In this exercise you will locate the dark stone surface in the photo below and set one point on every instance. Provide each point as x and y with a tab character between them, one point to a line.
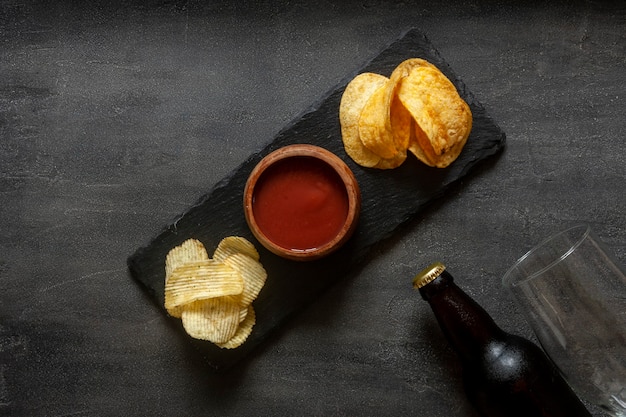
116	117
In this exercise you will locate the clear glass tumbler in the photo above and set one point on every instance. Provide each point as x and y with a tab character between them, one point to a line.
573	293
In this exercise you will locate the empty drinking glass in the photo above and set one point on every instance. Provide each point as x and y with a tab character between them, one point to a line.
573	293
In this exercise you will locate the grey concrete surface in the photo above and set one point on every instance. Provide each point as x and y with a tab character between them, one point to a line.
117	116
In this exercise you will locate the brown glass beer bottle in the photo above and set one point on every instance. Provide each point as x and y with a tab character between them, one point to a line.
504	375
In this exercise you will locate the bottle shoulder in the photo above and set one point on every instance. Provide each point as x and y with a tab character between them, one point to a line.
511	358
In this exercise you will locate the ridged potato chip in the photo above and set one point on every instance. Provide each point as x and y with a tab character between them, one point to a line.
213	296
198	281
243	311
243	331
252	273
232	245
190	250
213	319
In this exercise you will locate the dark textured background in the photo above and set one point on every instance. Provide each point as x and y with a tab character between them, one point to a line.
115	117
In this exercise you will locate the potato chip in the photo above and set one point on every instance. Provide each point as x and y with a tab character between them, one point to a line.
200	280
385	124
243	331
417	137
443	117
214	319
417	109
213	296
253	275
243	311
405	68
401	122
400	119
355	96
391	163
232	245
375	128
189	251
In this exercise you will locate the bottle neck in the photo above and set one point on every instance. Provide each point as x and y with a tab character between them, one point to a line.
467	326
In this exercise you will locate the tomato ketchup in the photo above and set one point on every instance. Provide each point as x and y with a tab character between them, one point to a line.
300	203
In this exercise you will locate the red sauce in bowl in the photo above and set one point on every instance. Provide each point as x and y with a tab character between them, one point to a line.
300	203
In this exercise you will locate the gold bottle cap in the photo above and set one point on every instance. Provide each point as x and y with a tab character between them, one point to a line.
428	274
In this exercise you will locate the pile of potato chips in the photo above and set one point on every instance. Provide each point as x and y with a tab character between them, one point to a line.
417	109
213	296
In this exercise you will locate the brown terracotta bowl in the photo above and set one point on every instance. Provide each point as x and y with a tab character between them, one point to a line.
302	202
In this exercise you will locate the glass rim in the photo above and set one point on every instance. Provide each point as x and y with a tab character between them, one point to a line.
507	278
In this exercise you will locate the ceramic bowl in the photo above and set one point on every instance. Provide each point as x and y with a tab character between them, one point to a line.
302	202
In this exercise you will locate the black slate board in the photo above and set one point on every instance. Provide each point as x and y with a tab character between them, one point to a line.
390	198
